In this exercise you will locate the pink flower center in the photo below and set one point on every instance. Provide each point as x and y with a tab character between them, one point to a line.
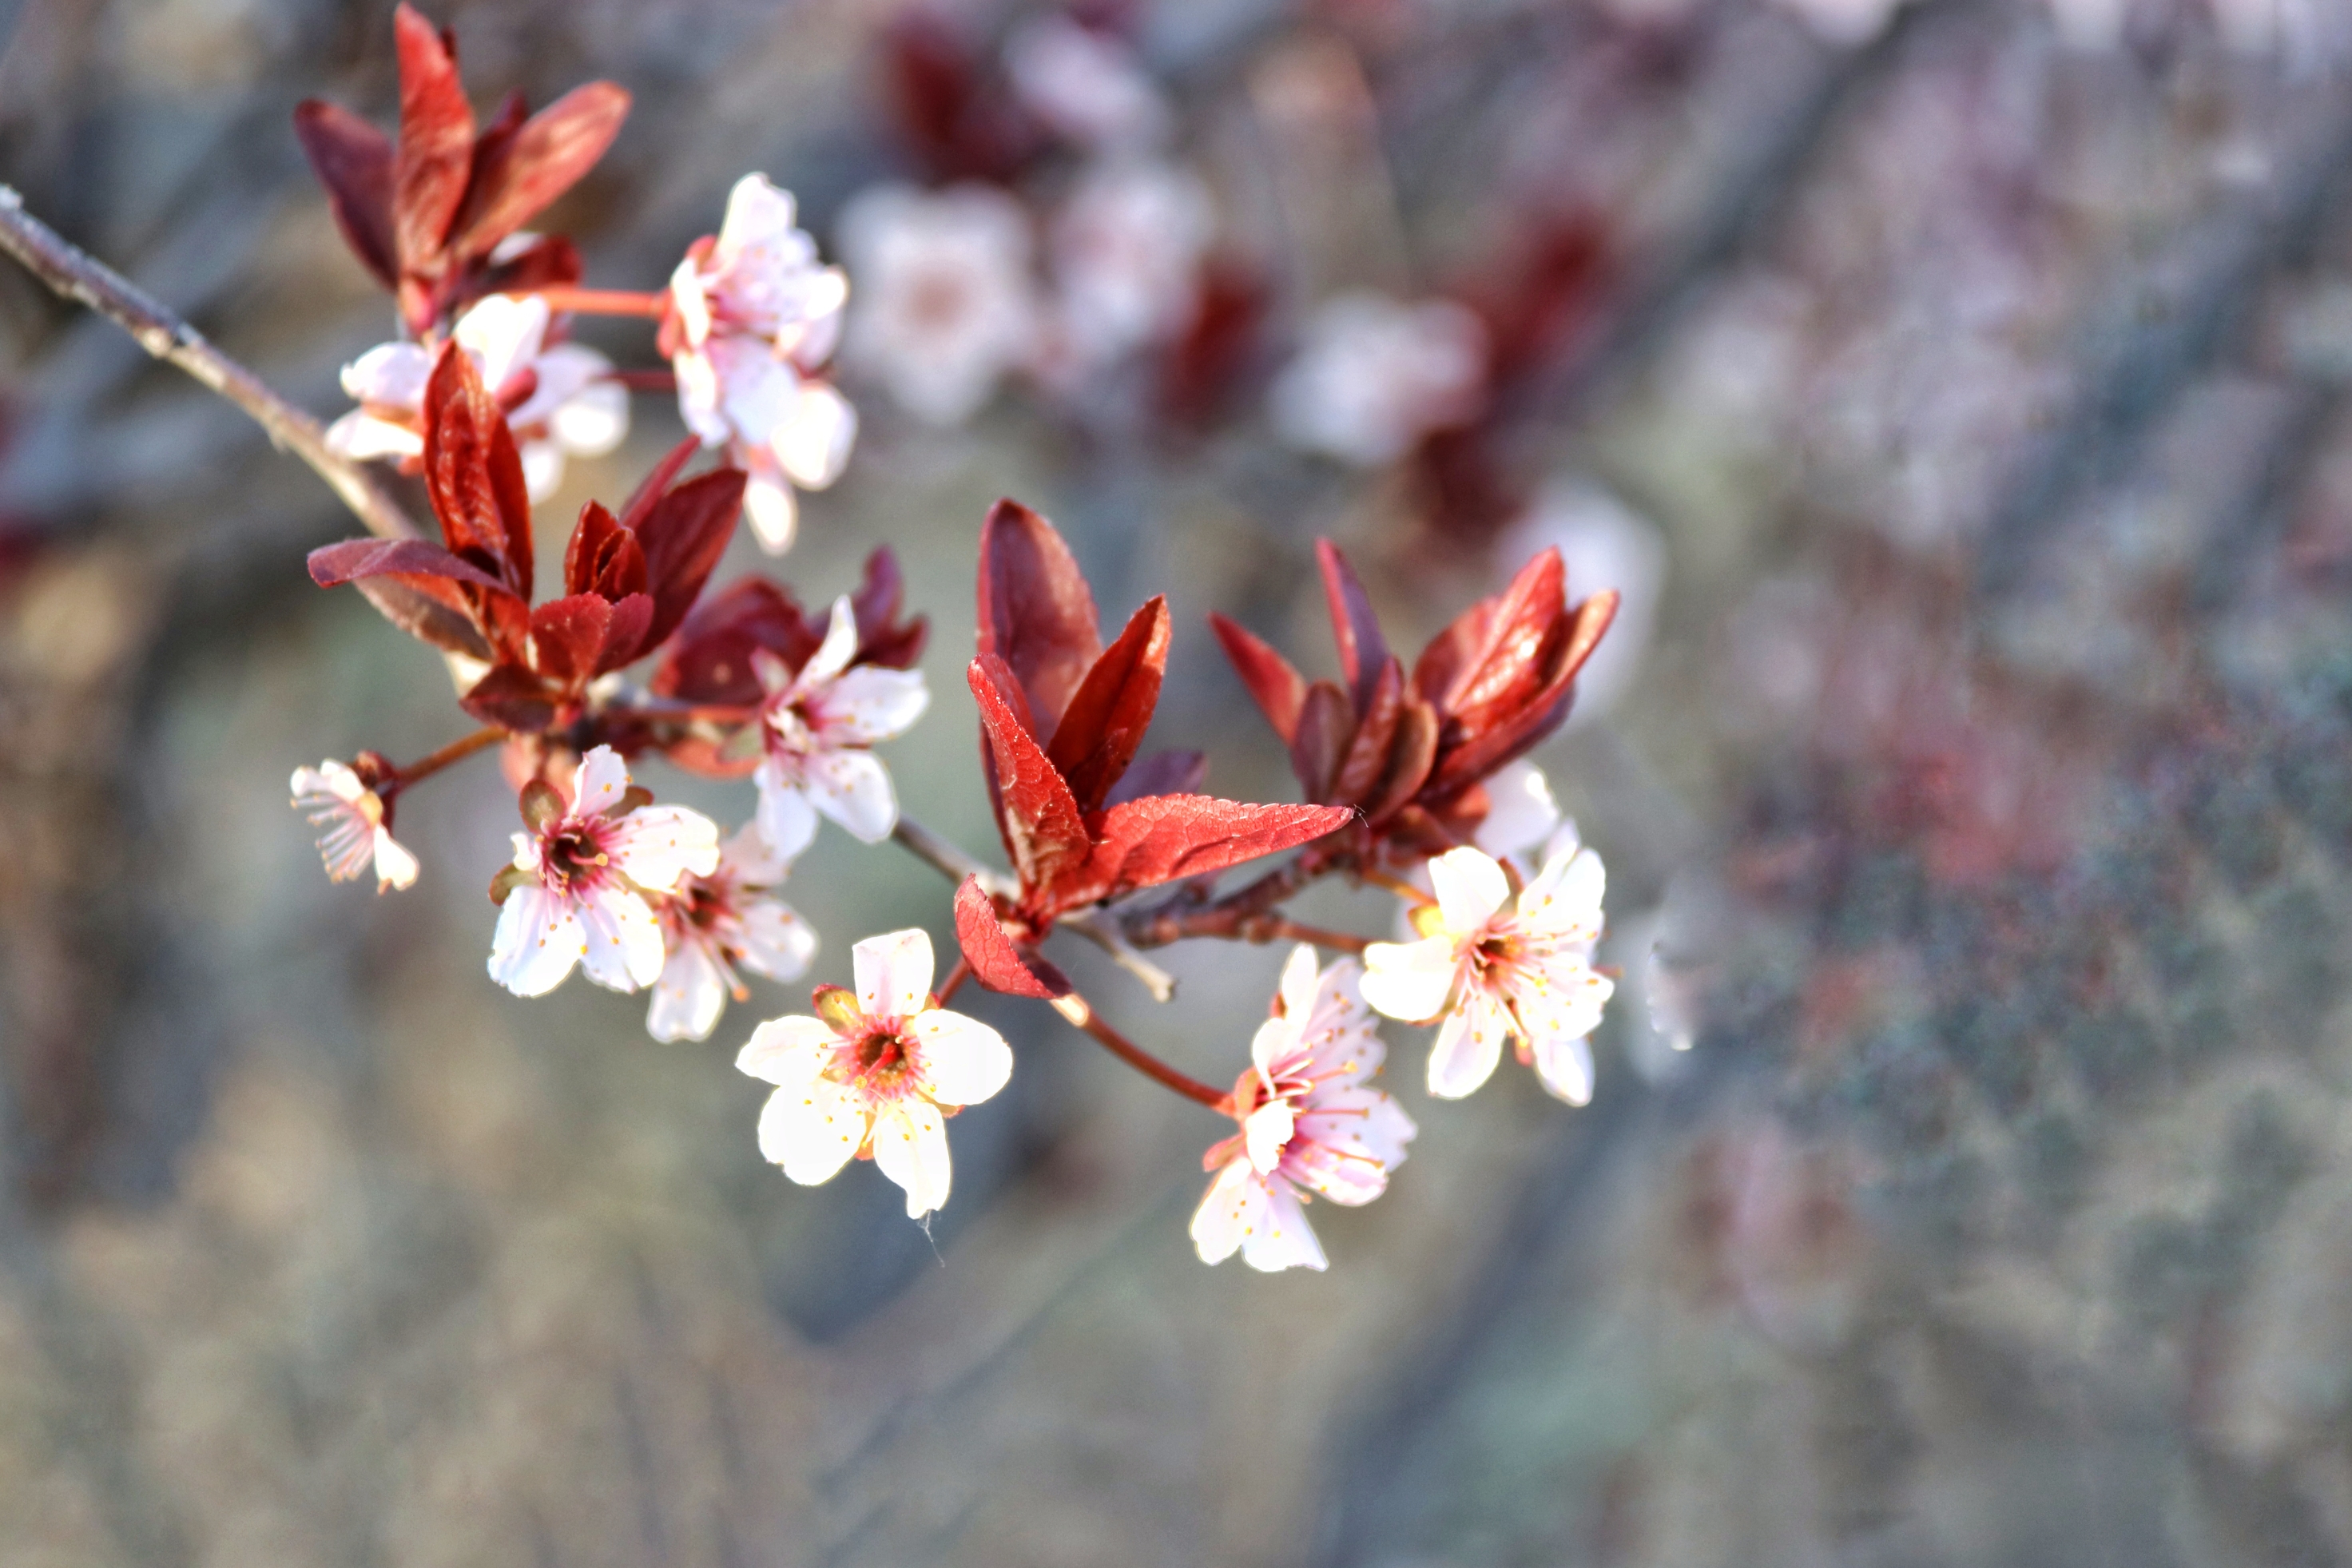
877	1058
572	856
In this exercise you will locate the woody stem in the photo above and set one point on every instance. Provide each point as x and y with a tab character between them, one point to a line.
455	752
644	381
1074	1008
954	982
1395	885
74	273
603	302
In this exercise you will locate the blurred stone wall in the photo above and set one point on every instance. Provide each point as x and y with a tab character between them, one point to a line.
1969	1180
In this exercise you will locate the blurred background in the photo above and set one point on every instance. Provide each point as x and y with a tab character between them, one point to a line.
1955	390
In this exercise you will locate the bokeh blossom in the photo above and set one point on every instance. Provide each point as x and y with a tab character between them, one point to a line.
753	315
946	305
717	924
1373	376
582	886
559	398
1127	248
355	823
1494	969
1309	1118
871	1076
816	725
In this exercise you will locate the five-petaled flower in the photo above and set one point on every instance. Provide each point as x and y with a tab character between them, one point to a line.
583	881
559	399
752	317
357	824
869	1078
717	924
1311	1118
1496	969
946	304
816	726
1374	377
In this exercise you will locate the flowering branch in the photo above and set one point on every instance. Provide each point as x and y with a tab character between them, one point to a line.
74	273
424	767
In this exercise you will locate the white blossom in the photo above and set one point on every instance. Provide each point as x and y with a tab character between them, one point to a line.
1374	376
356	823
946	304
870	1078
816	725
559	399
714	926
1491	968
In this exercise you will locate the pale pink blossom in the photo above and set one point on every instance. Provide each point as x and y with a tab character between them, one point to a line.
870	1078
1492	968
559	398
356	823
1127	248
753	316
582	886
946	304
718	924
1085	85
816	725
1374	376
1309	1118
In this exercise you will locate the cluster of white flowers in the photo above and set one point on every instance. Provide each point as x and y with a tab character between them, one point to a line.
559	397
757	315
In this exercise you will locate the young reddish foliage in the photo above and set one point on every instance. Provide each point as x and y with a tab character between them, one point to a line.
997	961
1036	613
425	215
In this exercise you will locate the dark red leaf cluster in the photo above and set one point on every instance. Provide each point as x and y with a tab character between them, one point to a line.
1410	751
711	662
1062	718
425	214
628	582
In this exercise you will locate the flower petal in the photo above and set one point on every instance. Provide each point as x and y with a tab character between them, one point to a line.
1299	974
789	1052
537	942
1469	1043
394	865
963	1060
813	1131
1565	1068
911	1145
893	973
853	787
623	941
768	502
592	420
654	846
1232	1209
601	780
1264	1132
360	435
771	939
811	442
1521	810
1283	1239
786	818
871	704
1470	888
1409	980
832	656
689	995
389	375
504	332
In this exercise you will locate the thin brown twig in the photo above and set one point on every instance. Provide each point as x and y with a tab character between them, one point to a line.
1074	1008
603	302
455	752
954	982
74	273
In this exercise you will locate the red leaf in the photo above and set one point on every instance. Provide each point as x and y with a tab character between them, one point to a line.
543	159
547	262
1163	837
882	638
1511	735
1036	613
353	160
1325	726
1160	773
1362	649
355	559
472	472
513	698
425	592
568	637
1278	687
1106	717
437	142
710	660
629	636
1505	664
996	961
683	534
1365	762
1412	752
656	484
1044	831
